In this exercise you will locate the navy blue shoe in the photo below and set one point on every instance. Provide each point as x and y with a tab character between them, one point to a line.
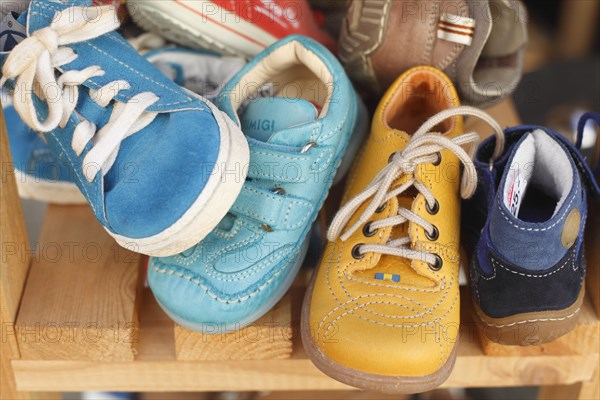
526	224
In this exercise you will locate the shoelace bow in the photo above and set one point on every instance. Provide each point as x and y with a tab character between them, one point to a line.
33	62
422	148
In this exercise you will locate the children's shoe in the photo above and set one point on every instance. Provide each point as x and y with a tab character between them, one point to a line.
382	310
41	176
480	44
528	267
241	28
153	160
203	72
299	112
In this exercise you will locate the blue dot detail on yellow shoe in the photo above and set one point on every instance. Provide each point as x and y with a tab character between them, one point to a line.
387	277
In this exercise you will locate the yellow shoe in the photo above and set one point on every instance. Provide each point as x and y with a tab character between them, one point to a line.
382	311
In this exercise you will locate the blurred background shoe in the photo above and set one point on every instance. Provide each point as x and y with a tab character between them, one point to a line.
478	44
242	28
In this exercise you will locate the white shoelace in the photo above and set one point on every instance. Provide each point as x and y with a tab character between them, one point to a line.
147	42
33	63
423	147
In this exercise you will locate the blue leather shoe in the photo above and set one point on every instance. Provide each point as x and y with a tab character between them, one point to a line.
299	112
526	222
41	176
159	166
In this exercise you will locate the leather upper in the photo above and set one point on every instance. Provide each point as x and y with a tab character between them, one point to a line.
405	328
238	268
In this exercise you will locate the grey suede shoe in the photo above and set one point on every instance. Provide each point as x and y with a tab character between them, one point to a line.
479	44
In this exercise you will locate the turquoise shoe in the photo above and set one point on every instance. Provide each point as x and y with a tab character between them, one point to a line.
299	113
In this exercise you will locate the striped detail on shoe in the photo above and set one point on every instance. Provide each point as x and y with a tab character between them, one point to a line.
457	29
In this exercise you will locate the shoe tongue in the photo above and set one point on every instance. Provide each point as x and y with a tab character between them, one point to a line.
44	11
263	118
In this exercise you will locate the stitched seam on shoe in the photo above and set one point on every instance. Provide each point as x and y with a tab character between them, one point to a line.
496	263
443	64
529	320
188	99
237	226
172	272
351	311
338	266
213	272
278	177
323	165
567	209
426	60
335	131
298	158
233	246
362	305
351	278
57	9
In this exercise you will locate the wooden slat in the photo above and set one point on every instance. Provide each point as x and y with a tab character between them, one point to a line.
156	368
581	340
592	247
14	264
292	374
269	338
589	390
80	299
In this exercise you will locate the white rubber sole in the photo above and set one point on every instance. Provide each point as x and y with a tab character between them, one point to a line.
54	192
201	25
216	199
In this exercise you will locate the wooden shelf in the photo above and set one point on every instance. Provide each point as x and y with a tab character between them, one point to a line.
155	367
86	322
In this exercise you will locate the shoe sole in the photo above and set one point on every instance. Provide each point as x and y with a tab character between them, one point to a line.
365	380
532	328
217	197
190	25
55	192
208	328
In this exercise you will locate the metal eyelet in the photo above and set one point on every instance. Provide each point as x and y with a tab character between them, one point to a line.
356	253
439	159
432	210
433	236
367	230
391	157
438	263
381	208
308	146
279	191
267	228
